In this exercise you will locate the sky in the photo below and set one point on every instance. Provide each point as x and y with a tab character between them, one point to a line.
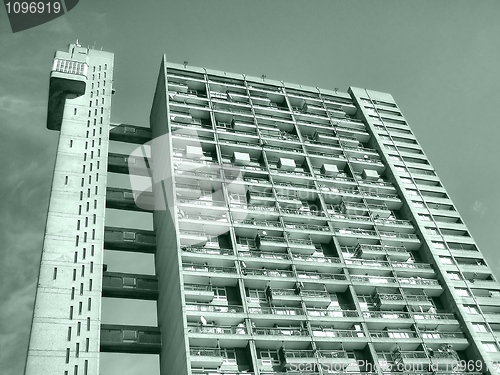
439	59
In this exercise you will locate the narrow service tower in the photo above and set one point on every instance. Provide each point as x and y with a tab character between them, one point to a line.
65	329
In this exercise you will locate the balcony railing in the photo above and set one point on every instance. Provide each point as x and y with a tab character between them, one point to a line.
266	272
308	227
290	311
316	259
320	275
341	313
374	279
239	330
393	334
431	316
199	202
233	309
418	280
399	235
264	254
303	212
386	315
327	332
208	268
381	248
261	223
285	331
206	250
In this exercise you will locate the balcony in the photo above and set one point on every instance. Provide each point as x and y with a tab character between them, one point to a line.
379	251
129	240
328	332
404	226
301	246
206	250
190	238
184	118
270	242
340	314
267	257
308	228
188	191
68	77
260	198
313	259
335	358
216	329
387	318
130	339
205	268
206	357
198	292
411	359
277	311
291	359
204	308
359	164
429	318
294	359
267	273
389	301
281	331
126	285
288	201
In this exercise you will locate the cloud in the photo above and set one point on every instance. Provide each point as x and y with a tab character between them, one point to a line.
479	207
19	106
15	330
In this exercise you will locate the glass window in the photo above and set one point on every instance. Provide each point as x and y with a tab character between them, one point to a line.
490	347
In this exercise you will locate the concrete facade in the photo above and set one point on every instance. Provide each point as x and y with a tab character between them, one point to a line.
296	230
66	320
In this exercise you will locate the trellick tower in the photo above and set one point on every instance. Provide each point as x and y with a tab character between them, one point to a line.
295	230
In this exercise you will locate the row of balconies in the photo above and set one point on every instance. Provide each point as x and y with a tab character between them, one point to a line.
139	339
331	281
326	314
321	264
145	241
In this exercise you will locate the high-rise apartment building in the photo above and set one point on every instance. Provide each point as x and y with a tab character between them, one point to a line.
295	230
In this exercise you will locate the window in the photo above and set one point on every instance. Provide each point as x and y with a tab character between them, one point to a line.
446	260
462	292
490	347
479	327
55	273
438	245
399	334
471	309
219	293
454	276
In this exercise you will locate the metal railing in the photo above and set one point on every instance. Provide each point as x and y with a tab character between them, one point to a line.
233	309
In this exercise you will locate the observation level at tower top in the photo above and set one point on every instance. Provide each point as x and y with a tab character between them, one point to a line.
68	79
